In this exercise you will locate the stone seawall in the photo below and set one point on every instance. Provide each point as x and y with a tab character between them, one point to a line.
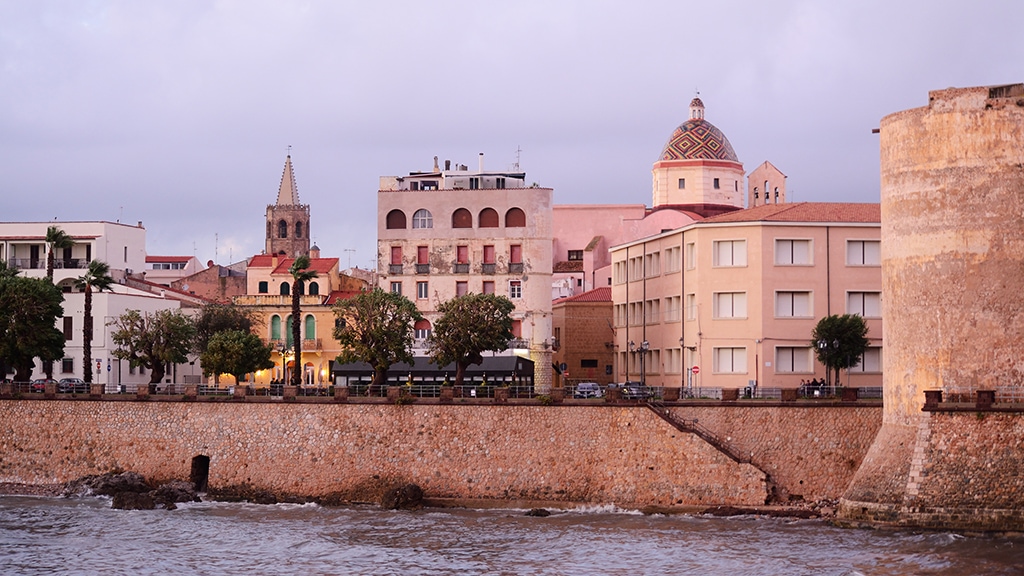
626	455
966	473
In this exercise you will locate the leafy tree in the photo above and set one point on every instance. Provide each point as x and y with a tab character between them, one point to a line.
29	309
97	275
235	352
153	340
470	325
839	341
376	327
300	275
56	239
214	318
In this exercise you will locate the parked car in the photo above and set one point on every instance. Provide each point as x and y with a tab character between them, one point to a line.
40	384
588	390
636	391
72	386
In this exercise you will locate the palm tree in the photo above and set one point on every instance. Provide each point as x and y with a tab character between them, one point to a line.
97	276
57	239
300	275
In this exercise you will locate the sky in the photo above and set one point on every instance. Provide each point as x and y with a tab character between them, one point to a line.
180	113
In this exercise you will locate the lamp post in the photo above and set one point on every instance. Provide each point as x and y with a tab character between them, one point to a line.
642	350
828	350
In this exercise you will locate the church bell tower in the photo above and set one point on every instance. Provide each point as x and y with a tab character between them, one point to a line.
288	219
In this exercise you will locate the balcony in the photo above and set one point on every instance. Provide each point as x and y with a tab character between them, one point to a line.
462	268
277	300
308	344
394	269
487	268
423	268
519	344
515	268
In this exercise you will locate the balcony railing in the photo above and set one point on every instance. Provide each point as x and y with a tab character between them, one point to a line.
515	268
519	343
277	300
423	268
308	344
462	268
394	268
487	268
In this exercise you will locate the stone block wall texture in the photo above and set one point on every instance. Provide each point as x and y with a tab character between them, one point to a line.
952	179
809	452
601	454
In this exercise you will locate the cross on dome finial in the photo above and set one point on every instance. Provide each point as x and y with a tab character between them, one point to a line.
696	108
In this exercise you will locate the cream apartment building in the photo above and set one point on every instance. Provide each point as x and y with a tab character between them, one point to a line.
452	231
730	301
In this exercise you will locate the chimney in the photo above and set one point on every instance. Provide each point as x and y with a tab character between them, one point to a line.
447	165
436	169
140	223
481	168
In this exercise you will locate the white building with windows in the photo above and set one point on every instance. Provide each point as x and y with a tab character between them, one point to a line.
453	231
731	300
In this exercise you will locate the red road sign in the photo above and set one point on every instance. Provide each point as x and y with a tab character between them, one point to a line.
695	369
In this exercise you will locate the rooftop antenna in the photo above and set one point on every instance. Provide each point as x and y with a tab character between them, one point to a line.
350	251
216	243
120	214
519	151
289	149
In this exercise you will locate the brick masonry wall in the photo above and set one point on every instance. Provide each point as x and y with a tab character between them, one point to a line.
809	452
601	454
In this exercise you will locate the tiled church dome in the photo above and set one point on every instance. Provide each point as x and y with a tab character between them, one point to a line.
698	139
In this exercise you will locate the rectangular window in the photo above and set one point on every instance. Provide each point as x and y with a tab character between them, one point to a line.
672	308
461	288
488	286
691	256
652	265
474	183
619	272
730	304
575	255
396	255
69	328
871	361
462	254
863	253
488	254
730	360
125	253
515	254
672	259
652	311
716	184
421	333
792	252
691	306
396	287
263	287
517	328
793	305
67	366
866	304
793	359
587	363
515	289
499	183
730	253
422	291
422	255
682	183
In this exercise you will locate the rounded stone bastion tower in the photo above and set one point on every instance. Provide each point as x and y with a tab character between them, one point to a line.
952	176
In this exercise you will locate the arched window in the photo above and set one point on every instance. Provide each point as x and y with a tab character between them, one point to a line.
421	329
288	340
515	218
422	219
285	289
301	288
488	218
282	229
462	218
269	229
298	229
396	220
275	327
314	289
310	328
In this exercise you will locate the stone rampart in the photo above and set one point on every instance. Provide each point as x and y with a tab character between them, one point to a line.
602	454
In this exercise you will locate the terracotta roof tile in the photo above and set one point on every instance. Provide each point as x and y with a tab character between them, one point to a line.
602	294
804	212
569	266
337	295
168	258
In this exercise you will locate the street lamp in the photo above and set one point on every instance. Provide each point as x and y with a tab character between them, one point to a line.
828	350
642	350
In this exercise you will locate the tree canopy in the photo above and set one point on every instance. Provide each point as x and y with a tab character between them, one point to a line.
839	341
235	352
214	318
29	309
470	325
376	327
153	340
56	239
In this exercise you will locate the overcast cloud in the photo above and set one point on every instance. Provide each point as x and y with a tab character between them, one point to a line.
179	113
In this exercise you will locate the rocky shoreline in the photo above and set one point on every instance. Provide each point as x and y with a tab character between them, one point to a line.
131	491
